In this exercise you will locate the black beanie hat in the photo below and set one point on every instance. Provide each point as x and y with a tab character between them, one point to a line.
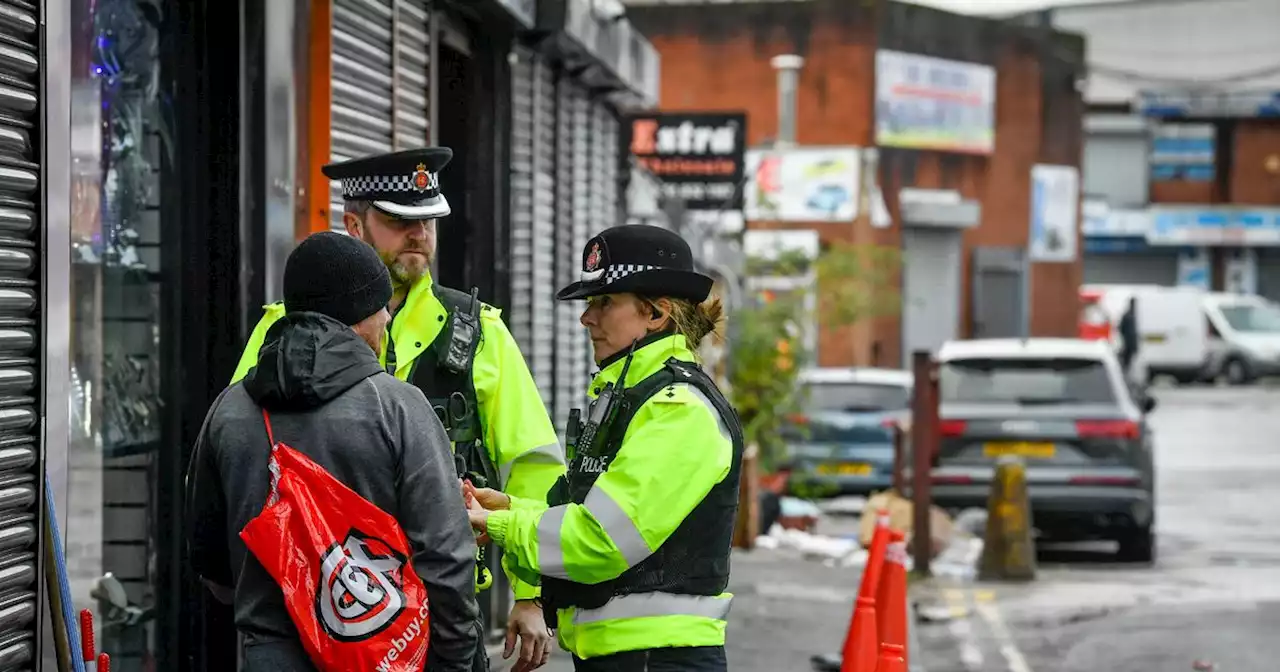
336	275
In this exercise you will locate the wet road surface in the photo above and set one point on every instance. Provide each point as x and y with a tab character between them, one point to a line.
1213	595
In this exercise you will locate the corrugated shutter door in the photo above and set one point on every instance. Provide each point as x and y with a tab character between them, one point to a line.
370	86
19	240
568	331
533	158
542	303
603	178
519	315
584	225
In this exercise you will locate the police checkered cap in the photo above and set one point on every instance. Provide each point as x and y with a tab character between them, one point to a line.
404	184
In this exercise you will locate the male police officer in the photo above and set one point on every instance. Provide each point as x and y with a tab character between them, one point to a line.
457	350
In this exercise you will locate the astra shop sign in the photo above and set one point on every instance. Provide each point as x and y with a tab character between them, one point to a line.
698	156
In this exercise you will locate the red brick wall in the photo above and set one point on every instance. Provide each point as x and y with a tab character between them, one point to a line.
1255	162
718	59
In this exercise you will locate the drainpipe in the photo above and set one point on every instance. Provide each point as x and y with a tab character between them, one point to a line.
788	67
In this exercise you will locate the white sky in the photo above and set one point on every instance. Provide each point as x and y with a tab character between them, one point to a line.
997	6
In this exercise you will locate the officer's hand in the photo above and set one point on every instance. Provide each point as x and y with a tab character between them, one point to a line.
491	499
527	623
479	517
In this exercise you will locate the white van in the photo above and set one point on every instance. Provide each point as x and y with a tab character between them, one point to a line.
1172	329
1244	332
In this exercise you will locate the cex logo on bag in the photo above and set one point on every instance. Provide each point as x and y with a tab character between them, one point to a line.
344	568
359	593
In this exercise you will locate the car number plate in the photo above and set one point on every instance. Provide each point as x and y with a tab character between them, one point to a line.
844	469
1030	449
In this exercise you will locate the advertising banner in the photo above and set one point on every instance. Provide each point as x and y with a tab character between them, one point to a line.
698	156
931	103
810	184
1055	213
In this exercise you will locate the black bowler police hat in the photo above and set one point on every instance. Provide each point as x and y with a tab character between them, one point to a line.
403	184
639	259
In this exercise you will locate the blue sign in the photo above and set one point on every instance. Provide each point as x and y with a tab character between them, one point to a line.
1115	244
1214	226
1189	104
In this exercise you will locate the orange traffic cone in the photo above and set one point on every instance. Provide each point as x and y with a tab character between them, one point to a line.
892	658
862	633
860	644
891	598
875	556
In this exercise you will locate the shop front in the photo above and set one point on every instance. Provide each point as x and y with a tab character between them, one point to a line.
148	264
1116	250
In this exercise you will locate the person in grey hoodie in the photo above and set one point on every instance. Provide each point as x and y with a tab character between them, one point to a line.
319	378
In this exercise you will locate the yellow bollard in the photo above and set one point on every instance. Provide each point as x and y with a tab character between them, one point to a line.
1008	552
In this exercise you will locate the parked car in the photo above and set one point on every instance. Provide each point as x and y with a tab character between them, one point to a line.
1244	337
1064	407
841	443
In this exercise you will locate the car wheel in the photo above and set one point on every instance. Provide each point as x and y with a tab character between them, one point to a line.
1235	371
1139	546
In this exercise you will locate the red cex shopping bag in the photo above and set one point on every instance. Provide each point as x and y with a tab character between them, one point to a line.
344	566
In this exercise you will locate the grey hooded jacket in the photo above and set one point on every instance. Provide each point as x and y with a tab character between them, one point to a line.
329	399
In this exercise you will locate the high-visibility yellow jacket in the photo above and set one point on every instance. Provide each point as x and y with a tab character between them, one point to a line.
676	448
518	434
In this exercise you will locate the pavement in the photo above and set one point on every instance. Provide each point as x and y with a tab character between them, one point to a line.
786	608
1211	601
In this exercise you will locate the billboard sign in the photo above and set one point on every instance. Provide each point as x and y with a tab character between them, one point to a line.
932	103
698	156
809	184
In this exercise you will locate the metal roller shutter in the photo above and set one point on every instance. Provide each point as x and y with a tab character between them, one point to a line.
577	352
1269	273
567	331
604	157
1156	268
380	64
19	271
533	159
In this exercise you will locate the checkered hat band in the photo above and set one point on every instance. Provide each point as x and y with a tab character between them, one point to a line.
366	184
620	271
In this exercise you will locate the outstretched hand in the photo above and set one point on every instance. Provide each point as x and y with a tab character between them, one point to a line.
477	512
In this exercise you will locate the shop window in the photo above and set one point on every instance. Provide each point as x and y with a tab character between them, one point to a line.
119	141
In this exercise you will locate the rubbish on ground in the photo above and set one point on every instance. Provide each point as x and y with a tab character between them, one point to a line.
838	551
1203	666
939	613
798	514
972	522
960	559
826	662
900	518
844	506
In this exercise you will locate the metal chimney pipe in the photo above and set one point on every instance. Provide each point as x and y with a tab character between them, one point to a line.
788	67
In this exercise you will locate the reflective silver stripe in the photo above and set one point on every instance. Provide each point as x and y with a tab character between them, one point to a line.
550	555
618	525
724	428
644	605
548	454
613	520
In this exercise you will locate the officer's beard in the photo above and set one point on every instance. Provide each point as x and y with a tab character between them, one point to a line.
403	271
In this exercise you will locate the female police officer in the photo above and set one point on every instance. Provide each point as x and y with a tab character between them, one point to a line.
632	545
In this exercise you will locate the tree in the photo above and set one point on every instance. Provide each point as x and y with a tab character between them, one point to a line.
768	347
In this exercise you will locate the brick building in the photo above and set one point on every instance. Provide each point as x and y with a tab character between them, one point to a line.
1182	146
717	57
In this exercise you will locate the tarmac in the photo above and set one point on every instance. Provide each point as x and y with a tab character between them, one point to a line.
786	609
